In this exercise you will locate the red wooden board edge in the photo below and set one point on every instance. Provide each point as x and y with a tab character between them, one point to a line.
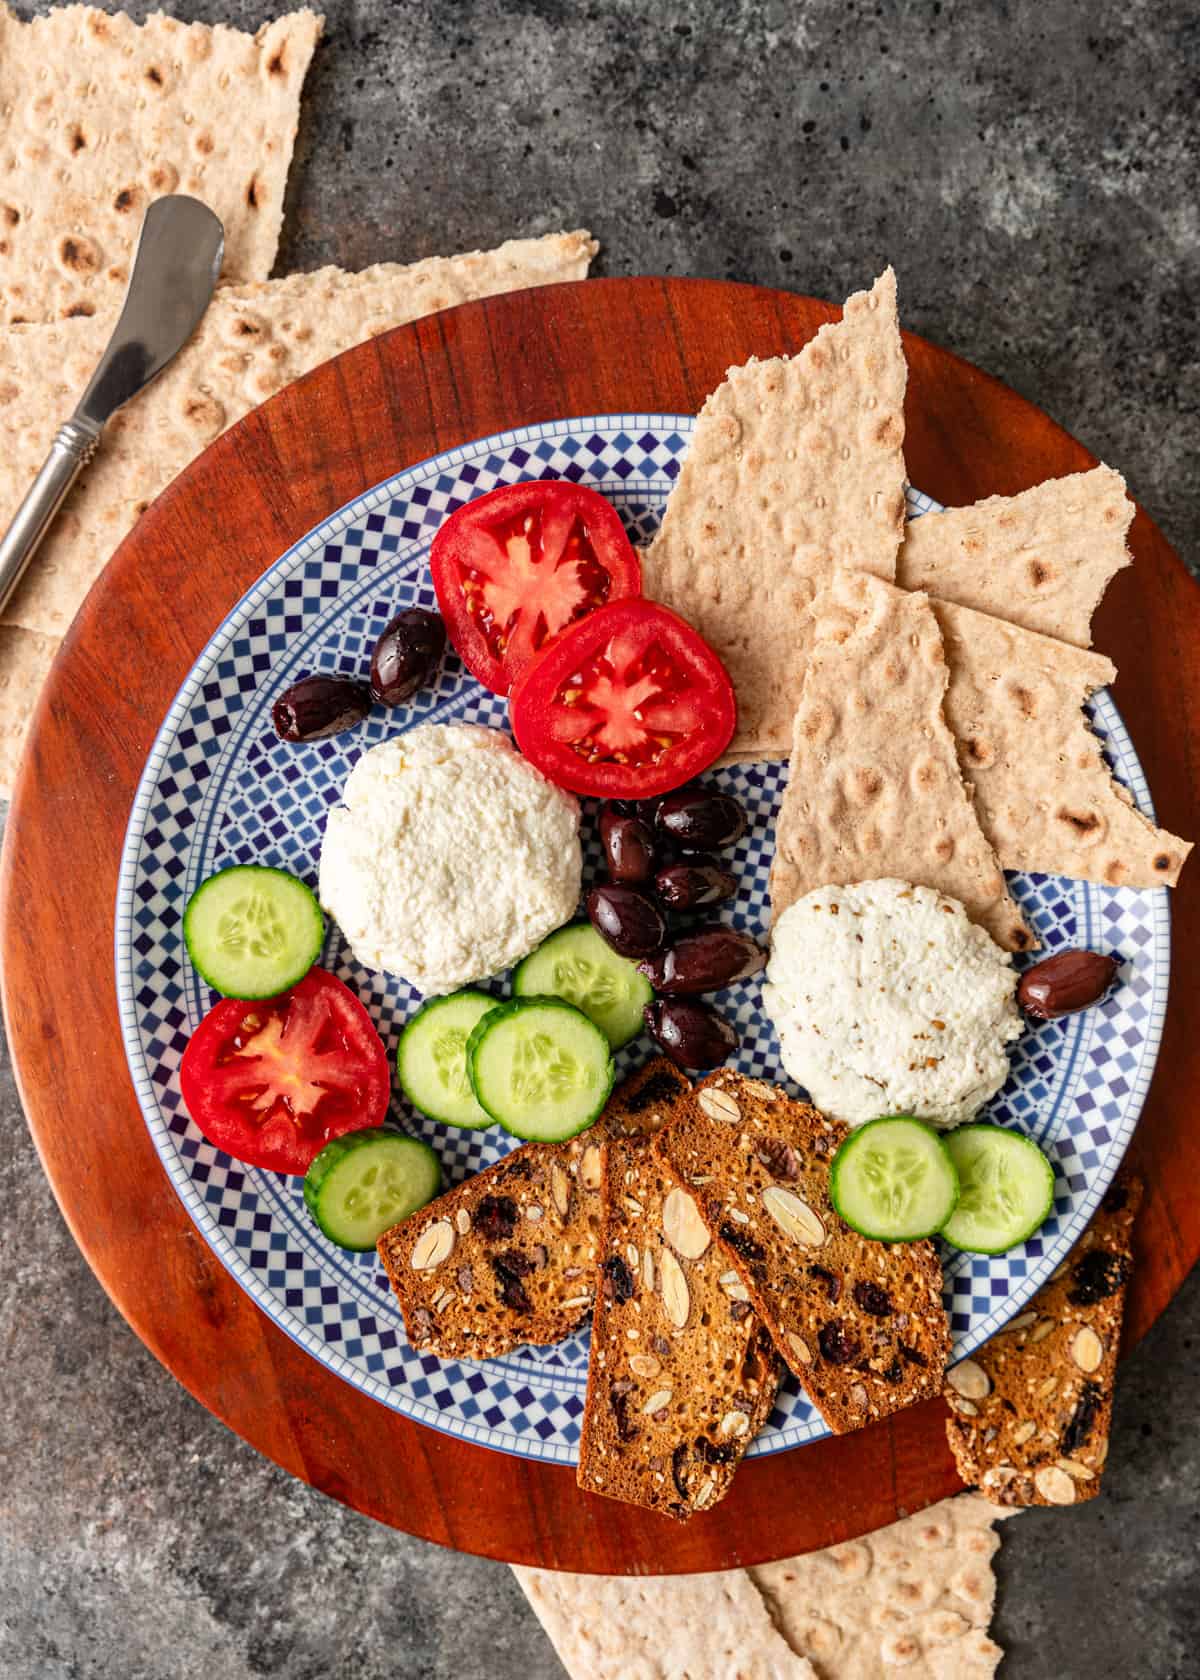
593	347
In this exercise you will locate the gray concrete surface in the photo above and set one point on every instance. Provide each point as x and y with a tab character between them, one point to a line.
1032	171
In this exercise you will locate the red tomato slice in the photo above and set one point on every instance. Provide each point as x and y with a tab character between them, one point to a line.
272	1082
628	703
518	565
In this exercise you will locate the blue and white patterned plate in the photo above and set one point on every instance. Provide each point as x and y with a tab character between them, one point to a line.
219	787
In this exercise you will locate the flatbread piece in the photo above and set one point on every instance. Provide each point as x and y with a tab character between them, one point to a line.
796	466
1042	559
665	1627
874	787
101	114
25	659
1031	1413
1044	795
915	1597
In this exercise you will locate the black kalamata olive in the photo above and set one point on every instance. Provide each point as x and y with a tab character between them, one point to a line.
628	846
627	920
700	819
694	882
704	961
406	655
318	706
1067	982
691	1034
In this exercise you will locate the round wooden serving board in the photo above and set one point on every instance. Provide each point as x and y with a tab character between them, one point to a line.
596	347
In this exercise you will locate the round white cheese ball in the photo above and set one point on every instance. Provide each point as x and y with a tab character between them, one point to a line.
450	858
888	1000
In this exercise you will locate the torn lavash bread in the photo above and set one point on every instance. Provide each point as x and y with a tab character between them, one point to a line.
1042	559
103	114
796	465
916	1596
874	785
253	340
1044	795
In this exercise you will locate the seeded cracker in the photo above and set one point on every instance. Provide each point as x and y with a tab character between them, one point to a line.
1044	795
101	114
682	1373
508	1257
874	786
1042	559
860	1323
796	466
1033	1409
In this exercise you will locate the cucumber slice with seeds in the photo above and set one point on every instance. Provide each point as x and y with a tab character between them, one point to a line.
252	932
431	1062
575	964
540	1068
362	1184
893	1180
1006	1189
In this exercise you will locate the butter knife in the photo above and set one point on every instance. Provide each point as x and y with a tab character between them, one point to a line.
175	269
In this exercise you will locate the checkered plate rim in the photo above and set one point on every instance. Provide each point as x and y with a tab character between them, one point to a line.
970	1279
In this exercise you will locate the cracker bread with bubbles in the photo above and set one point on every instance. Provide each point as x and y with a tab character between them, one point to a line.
874	786
103	114
1044	796
796	466
1042	559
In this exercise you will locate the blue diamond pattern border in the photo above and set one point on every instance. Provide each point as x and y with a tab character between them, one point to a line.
219	787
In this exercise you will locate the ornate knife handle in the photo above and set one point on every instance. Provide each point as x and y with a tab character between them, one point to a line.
73	447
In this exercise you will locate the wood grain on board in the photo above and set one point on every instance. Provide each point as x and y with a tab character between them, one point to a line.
600	346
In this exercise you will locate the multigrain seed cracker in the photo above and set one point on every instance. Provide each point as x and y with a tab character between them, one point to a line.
682	1374
1044	795
874	786
1031	1412
1042	559
860	1323
506	1258
509	1256
916	1598
101	115
253	340
796	466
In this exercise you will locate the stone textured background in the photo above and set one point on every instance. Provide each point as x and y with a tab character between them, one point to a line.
1032	170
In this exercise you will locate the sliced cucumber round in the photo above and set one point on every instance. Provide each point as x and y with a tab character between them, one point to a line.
893	1180
540	1068
1006	1189
431	1062
252	932
362	1184
577	965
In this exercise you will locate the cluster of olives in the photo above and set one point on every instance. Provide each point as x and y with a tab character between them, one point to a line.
404	659
661	856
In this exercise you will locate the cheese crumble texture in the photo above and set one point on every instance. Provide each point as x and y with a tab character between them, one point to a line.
450	857
888	1000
